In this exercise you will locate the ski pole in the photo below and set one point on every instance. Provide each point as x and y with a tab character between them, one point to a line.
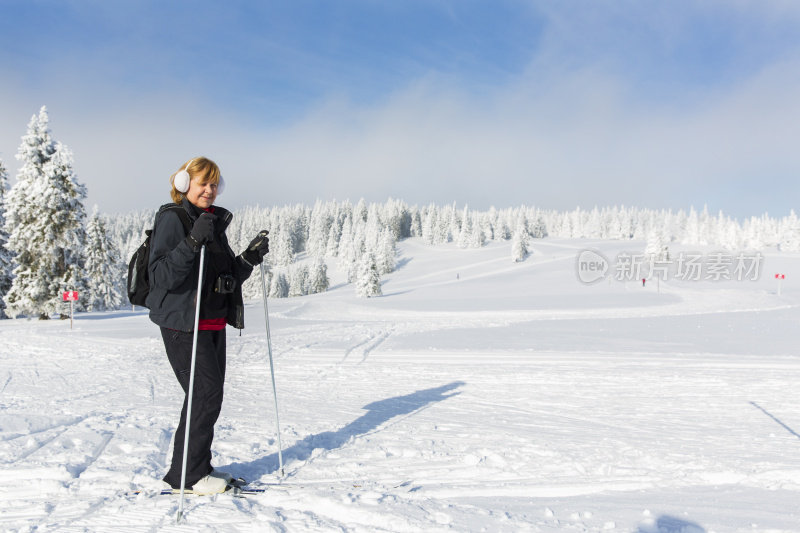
272	369
191	381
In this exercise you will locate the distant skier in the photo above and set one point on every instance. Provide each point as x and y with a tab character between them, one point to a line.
643	281
179	231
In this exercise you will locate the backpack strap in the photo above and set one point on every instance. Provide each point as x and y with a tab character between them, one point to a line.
182	214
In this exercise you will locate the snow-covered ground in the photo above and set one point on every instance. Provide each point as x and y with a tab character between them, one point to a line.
475	395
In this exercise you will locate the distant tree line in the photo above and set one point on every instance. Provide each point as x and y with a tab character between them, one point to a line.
362	238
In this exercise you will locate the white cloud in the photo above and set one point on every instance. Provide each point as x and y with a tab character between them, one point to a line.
583	139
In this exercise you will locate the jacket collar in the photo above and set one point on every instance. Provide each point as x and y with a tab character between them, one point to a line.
224	216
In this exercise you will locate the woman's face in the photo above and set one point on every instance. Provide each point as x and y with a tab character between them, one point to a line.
202	196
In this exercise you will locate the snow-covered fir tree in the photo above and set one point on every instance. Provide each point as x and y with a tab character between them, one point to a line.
429	225
789	233
318	277
298	280
539	229
347	256
359	247
519	241
332	245
387	250
372	229
593	227
465	232
45	220
6	258
416	223
368	280
360	211
453	221
728	233
656	248
487	223
279	286
282	251
477	235
318	230
103	268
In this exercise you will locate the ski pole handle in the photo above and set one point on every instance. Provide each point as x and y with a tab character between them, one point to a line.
258	240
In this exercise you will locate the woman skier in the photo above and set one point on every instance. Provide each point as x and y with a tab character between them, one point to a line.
180	230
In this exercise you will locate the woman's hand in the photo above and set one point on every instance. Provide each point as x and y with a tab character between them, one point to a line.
203	230
257	249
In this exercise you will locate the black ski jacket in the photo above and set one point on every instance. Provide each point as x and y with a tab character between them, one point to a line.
174	265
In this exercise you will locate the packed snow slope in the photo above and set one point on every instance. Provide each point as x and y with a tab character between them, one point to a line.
476	394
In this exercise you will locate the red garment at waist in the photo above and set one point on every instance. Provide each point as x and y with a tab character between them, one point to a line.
211	324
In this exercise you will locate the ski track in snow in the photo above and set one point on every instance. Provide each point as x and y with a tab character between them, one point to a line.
607	408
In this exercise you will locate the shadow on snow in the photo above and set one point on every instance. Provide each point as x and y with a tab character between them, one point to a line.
776	419
106	315
378	413
671	524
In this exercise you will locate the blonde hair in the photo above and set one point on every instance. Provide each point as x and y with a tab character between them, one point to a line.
200	167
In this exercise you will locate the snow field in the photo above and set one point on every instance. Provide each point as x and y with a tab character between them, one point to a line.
511	398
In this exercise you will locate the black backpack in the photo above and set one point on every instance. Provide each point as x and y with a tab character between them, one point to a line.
138	277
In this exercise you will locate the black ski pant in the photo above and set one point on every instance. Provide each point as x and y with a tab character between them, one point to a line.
209	379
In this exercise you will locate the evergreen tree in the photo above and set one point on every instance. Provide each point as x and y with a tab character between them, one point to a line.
372	229
332	246
318	277
360	212
539	230
359	240
593	227
45	220
489	223
6	262
655	250
465	231
368	282
282	254
429	225
279	287
789	233
387	251
453	224
626	224
477	238
504	230
416	223
519	241
566	229
443	219
347	251
103	268
318	230
577	217
298	280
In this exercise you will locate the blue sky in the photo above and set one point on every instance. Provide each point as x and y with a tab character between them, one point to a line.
556	104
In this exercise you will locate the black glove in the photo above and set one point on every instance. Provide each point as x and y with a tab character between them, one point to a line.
257	248
202	231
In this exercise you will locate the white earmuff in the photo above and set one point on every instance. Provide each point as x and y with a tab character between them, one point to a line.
182	179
